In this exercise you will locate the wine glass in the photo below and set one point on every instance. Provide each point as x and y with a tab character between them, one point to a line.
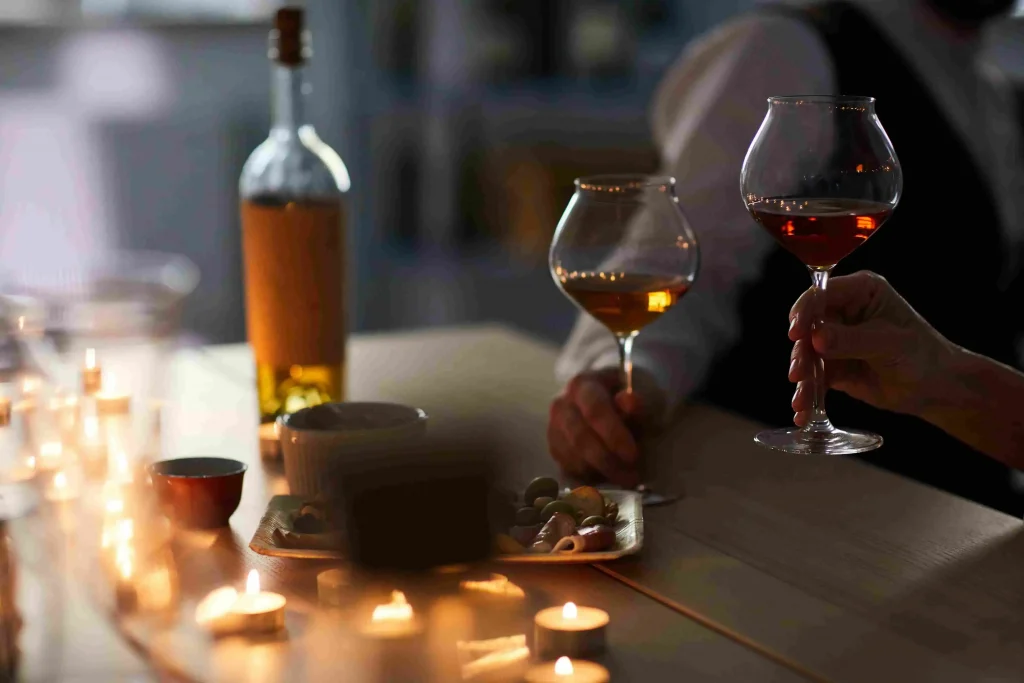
821	177
625	254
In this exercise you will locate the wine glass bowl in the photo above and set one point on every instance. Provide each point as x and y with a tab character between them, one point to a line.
625	254
821	177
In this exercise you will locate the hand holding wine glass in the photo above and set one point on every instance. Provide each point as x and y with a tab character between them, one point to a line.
821	177
878	349
624	253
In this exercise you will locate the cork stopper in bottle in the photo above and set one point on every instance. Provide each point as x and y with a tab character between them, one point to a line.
291	48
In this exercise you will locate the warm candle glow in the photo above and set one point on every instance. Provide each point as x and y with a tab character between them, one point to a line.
29	385
396	610
115	506
30	462
109	383
90	359
91	426
569	611
497	585
563	667
60	481
121	464
252	583
216	604
123	560
50	455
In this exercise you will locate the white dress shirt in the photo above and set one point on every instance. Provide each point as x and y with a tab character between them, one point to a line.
704	115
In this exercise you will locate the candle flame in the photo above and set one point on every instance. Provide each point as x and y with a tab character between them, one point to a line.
125	530
51	449
29	385
563	666
123	560
569	611
115	506
60	480
21	323
252	583
90	359
396	610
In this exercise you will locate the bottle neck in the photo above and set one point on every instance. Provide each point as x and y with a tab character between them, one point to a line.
288	109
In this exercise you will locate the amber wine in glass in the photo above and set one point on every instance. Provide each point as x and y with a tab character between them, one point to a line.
821	177
625	254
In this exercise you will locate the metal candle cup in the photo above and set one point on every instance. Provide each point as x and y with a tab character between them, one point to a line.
569	630
565	670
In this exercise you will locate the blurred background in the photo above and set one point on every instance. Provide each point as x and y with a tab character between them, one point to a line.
463	123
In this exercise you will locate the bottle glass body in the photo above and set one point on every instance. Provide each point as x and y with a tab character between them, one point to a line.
292	191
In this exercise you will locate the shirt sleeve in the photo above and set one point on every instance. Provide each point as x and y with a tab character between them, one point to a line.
704	115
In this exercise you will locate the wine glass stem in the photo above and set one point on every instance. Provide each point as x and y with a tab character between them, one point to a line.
626	359
819	420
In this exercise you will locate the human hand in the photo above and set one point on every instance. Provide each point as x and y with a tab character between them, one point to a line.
877	348
589	425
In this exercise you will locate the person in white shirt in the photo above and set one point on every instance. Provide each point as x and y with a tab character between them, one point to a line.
704	115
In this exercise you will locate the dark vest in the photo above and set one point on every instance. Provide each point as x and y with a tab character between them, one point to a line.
942	249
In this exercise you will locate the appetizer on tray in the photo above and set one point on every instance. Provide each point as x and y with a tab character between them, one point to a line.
552	524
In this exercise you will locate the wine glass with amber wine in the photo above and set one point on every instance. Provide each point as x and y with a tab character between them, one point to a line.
821	177
625	254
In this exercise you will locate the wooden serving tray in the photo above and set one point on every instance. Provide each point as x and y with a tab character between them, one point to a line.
280	511
629	536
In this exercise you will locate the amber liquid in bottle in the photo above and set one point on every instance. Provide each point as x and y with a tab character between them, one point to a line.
624	302
294	283
292	191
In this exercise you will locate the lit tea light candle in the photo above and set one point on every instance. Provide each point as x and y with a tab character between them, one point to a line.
565	670
92	376
270	441
51	456
62	488
111	401
569	630
498	585
30	385
124	590
394	619
224	611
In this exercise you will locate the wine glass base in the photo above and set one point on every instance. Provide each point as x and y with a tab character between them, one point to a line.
830	441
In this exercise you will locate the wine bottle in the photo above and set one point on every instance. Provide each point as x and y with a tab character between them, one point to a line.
292	191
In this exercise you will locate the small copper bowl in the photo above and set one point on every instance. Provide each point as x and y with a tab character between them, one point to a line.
199	493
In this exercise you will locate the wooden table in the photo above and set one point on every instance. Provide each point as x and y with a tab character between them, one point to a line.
772	567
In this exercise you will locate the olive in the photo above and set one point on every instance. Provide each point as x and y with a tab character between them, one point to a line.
527	516
309	524
556	506
541	487
540	503
594	520
312	509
